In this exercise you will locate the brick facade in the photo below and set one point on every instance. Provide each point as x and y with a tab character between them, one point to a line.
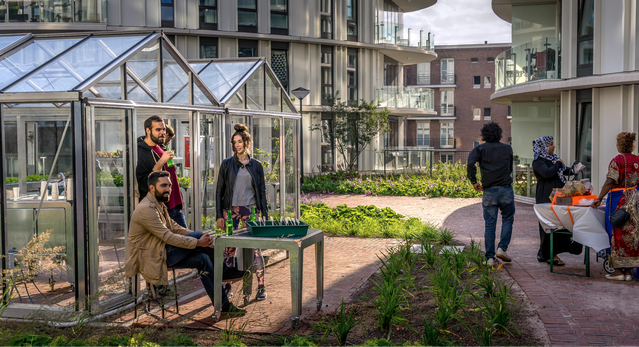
466	96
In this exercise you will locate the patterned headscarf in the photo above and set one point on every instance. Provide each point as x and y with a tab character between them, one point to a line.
540	147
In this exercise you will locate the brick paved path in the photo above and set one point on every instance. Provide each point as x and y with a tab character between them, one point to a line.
574	310
348	263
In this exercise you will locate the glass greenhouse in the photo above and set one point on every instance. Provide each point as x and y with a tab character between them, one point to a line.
72	110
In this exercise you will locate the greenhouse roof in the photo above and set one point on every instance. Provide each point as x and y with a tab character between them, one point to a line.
143	67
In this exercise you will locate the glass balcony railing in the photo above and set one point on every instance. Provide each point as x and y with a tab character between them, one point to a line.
399	34
53	11
405	97
537	60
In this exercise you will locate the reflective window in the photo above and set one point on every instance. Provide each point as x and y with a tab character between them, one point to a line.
279	17
326	66
266	148
326	13
247	15
351	71
585	46
208	15
351	20
167	13
423	134
208	47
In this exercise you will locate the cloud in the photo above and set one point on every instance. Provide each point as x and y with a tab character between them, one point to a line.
459	22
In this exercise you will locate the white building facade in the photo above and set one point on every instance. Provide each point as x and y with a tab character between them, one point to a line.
356	47
571	73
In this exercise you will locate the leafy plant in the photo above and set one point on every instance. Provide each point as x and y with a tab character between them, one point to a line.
446	236
430	335
429	254
299	341
185	182
12	180
340	324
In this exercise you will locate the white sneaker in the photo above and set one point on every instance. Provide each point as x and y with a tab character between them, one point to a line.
491	262
501	254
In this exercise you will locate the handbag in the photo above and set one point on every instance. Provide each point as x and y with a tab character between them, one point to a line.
620	216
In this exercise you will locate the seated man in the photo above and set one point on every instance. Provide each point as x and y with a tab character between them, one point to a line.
157	242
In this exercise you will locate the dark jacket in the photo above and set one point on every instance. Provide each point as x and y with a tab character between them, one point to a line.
226	181
547	178
495	163
146	161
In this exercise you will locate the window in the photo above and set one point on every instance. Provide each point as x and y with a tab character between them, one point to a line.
208	15
423	134
279	17
247	48
171	39
279	62
487	82
167	14
447	136
247	15
351	70
474	60
351	20
391	71
448	71
391	136
585	31
326	66
510	112
326	12
447	102
487	113
490	60
208	47
327	142
476	81
476	143
476	113
446	158
423	73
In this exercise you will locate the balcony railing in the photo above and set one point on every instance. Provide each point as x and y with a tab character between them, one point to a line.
446	110
413	79
428	142
537	60
405	97
58	11
398	34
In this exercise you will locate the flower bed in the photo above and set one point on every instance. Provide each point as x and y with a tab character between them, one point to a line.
445	180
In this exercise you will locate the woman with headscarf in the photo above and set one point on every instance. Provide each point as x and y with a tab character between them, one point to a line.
623	174
550	172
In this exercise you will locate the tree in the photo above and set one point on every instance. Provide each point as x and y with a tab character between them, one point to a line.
354	126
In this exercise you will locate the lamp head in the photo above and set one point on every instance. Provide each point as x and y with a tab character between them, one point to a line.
300	92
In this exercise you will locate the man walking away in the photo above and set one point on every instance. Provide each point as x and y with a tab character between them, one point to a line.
496	166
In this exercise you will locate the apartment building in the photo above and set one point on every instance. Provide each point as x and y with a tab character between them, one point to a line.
571	73
462	78
325	46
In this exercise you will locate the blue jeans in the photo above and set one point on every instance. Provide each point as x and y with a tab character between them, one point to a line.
178	216
495	198
200	258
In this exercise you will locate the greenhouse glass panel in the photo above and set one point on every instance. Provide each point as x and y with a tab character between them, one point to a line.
199	97
198	67
110	87
174	78
255	90
222	77
291	172
5	41
29	57
237	101
137	93
144	66
273	95
286	104
80	63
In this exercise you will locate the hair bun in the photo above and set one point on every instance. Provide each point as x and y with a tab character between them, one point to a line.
240	127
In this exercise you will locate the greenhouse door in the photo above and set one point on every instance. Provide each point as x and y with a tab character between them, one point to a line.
110	202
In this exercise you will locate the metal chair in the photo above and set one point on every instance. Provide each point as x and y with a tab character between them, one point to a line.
152	294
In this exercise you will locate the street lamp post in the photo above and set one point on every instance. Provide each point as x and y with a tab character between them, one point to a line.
301	93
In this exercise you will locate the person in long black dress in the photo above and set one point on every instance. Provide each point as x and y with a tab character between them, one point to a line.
551	173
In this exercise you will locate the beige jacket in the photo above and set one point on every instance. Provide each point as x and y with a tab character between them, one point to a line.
150	230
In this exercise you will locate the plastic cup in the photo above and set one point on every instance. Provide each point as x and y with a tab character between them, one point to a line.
54	191
43	190
16	193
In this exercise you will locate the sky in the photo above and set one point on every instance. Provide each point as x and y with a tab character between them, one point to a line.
459	22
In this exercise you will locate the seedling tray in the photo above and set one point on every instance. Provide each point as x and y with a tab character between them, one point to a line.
275	229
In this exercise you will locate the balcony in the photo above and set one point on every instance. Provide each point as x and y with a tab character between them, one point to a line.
398	34
413	79
57	11
446	110
405	97
427	142
533	61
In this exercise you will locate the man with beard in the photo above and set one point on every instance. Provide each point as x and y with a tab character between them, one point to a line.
157	242
153	158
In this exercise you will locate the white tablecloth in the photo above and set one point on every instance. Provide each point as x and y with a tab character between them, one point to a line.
588	228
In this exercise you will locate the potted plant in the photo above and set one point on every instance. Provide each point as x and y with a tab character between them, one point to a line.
516	159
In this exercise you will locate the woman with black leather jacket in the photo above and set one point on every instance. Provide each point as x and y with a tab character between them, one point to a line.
240	186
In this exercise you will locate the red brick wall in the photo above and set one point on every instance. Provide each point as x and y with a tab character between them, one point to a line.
466	97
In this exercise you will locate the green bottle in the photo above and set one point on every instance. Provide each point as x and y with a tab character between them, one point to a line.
253	216
229	224
169	163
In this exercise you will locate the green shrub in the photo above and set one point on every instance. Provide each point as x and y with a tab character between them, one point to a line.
366	221
448	180
185	182
29	340
12	180
180	340
299	341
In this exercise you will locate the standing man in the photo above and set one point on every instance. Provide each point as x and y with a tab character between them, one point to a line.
496	166
153	158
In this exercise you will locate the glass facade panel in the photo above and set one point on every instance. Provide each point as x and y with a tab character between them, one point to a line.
255	90
77	65
286	105
20	62
291	172
266	148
